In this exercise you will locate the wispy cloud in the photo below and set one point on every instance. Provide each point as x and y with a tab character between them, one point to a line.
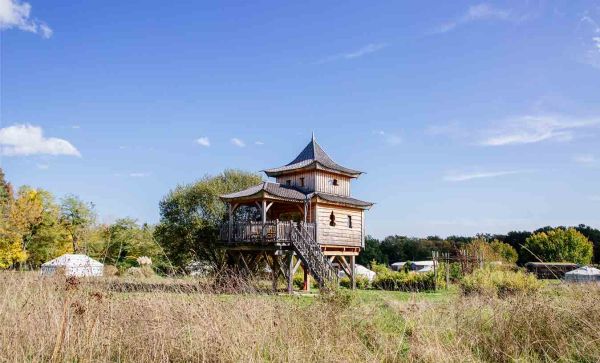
258	143
24	140
585	159
595	198
533	129
203	141
16	14
361	52
459	177
238	142
139	175
480	12
589	35
43	166
389	138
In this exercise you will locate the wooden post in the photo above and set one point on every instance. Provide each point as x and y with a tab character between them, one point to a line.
447	270
353	271
290	272
306	286
434	256
304	211
230	221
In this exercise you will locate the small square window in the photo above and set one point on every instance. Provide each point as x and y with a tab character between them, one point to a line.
349	221
288	182
302	182
335	182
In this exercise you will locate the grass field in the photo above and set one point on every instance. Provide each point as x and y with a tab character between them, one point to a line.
52	319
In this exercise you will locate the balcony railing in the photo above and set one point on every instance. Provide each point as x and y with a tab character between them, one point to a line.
269	232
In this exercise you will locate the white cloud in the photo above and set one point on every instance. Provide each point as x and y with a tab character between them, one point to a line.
595	198
258	143
480	175
367	49
391	139
204	141
24	140
237	142
478	12
585	159
533	129
139	175
43	166
16	14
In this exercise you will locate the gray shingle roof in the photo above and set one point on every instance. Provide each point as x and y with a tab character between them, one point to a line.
289	193
343	200
312	154
274	189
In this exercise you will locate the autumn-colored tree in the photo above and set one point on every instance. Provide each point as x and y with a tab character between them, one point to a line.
560	245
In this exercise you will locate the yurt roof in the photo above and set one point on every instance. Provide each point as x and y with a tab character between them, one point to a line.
585	270
73	260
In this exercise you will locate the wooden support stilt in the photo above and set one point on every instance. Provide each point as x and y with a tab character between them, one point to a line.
290	272
353	271
306	286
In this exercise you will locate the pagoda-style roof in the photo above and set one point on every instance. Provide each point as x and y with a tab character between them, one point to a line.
312	157
286	193
267	189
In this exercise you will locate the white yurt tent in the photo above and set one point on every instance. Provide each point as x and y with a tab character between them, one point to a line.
74	265
361	271
583	274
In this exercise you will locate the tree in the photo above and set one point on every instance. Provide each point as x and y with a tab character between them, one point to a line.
504	251
49	238
371	252
122	242
5	192
77	216
560	245
191	215
593	235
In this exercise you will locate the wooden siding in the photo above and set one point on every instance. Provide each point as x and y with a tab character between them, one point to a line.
324	183
340	234
309	180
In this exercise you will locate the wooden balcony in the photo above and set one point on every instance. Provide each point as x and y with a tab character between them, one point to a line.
259	232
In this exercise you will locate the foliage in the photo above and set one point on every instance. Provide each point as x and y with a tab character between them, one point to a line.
497	282
560	245
191	215
362	282
77	216
371	252
124	241
494	251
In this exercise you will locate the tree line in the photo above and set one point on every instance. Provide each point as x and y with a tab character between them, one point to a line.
36	227
578	244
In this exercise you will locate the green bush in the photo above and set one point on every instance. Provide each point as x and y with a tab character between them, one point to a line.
404	281
496	282
362	282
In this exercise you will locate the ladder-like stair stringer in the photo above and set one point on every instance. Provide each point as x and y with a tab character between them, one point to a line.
310	253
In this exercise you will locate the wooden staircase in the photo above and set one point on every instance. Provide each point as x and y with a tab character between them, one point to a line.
309	251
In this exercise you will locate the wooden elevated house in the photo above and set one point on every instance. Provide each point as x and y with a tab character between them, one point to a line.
306	217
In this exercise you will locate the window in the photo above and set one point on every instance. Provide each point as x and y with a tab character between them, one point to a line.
335	182
349	221
288	182
332	219
302	182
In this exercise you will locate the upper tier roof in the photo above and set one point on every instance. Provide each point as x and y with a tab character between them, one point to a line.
313	156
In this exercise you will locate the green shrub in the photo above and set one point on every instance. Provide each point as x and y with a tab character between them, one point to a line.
404	281
497	282
362	282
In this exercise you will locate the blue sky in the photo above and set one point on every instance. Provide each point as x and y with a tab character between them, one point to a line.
467	116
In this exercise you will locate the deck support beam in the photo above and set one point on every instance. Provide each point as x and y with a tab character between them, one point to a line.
353	271
290	276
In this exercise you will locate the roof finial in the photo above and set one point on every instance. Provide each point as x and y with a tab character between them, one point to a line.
313	136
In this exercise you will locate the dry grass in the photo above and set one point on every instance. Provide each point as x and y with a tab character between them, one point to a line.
50	319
